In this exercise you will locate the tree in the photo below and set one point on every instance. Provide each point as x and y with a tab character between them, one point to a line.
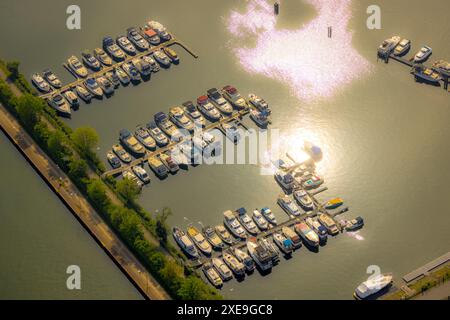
29	109
172	273
130	227
97	193
13	68
192	288
57	147
161	225
85	139
128	189
77	168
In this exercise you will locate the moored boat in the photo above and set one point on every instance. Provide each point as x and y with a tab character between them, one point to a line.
128	174
131	71
268	214
259	103
162	58
90	60
199	240
93	87
286	180
113	78
131	143
217	98
144	137
271	248
328	223
173	56
231	94
51	78
373	285
230	221
313	182
152	62
246	222
141	174
150	35
259	117
212	237
71	98
111	47
288	205
334	203
286	246
144	69
157	167
426	74
40	83
423	54
60	104
160	138
136	38
354	224
167	126
101	56
83	93
121	153
231	132
126	45
402	48
304	200
260	255
160	29
318	228
208	109
441	66
184	242
169	162
260	221
193	113
224	234
77	68
388	46
234	264
212	275
291	235
106	85
308	236
223	270
246	260
113	160
124	78
177	115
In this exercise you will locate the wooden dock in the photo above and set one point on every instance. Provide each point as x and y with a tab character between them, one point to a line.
236	116
105	69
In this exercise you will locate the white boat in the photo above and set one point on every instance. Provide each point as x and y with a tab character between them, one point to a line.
212	275
259	103
423	54
328	223
160	29
126	45
162	58
318	228
40	83
185	243
260	255
307	234
123	76
373	285
101	56
131	71
193	113
113	78
60	104
113	160
51	78
136	38
127	174
260	118
288	205
354	224
291	235
144	137
83	93
106	85
141	174
223	270
92	86
442	66
160	138
78	69
157	167
271	248
152	62
304	200
231	132
121	153
177	115
111	47
71	98
199	240
224	234
150	35
286	180
388	46
169	162
286	246
234	264
246	222
90	60
268	214
231	222
260	221
426	74
223	105
208	109
246	260
231	94
142	67
402	47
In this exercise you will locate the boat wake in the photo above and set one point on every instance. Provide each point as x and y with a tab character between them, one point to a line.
312	64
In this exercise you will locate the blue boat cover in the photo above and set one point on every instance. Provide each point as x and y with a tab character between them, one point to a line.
241	211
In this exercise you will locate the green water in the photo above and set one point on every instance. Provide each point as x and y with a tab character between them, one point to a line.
385	137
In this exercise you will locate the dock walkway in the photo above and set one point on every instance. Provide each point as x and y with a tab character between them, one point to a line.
105	69
416	274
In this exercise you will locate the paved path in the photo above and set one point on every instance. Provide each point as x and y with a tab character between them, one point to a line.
441	292
78	205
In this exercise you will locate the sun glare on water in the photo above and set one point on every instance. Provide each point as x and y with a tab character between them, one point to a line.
306	59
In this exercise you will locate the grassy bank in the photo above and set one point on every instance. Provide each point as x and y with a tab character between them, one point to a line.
74	152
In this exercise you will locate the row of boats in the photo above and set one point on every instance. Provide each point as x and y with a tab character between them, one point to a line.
399	47
179	124
261	253
132	70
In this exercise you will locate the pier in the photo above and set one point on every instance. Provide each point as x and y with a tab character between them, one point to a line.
105	69
236	116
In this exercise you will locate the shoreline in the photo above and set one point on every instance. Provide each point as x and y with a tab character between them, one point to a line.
71	197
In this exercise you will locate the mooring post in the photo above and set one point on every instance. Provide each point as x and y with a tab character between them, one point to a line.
330	30
276	8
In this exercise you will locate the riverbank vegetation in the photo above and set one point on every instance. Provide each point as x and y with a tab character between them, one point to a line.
74	152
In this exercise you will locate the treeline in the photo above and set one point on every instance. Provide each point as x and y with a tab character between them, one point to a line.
74	152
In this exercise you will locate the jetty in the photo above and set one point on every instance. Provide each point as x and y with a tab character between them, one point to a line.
106	69
235	117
